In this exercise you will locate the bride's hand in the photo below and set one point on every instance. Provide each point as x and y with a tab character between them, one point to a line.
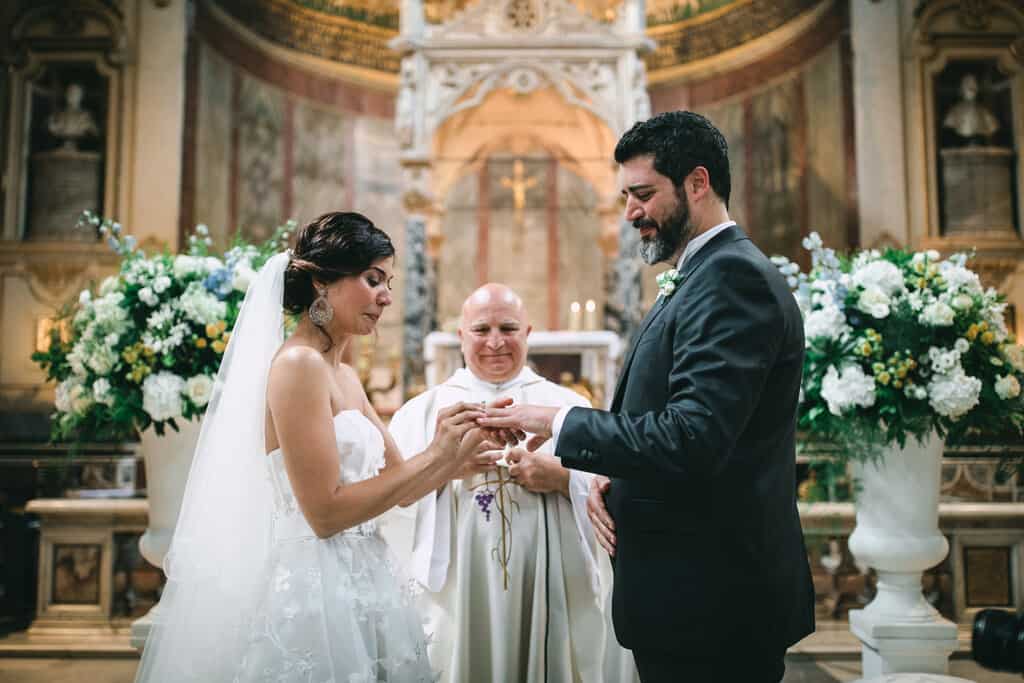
452	425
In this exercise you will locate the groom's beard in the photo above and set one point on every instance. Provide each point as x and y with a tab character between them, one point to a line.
670	236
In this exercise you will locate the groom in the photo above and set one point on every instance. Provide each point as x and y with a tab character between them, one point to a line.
711	582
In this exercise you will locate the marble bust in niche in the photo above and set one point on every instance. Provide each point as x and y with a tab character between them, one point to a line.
74	122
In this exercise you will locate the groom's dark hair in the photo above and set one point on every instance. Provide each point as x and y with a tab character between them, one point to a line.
680	141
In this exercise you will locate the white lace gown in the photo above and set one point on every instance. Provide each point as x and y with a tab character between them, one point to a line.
333	609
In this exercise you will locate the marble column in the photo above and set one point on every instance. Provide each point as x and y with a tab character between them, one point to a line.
878	94
623	311
154	189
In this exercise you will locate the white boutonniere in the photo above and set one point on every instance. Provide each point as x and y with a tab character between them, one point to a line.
667	282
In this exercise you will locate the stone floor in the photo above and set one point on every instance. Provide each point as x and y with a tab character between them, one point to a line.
799	669
831	655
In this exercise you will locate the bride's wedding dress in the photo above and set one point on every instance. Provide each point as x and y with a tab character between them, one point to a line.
332	609
252	593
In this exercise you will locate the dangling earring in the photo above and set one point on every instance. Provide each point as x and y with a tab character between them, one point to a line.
320	311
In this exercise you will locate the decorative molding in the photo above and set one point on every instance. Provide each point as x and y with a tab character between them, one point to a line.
321	79
319	33
54	271
57	26
508	20
975	15
995	271
749	68
681	43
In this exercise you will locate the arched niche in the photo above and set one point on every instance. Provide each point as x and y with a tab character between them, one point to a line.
548	249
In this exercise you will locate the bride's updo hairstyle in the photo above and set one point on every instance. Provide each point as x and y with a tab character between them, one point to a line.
335	245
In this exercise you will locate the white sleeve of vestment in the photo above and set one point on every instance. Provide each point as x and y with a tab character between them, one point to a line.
579	485
412	427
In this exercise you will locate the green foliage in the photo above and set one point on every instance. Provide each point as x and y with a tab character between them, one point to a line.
141	349
900	344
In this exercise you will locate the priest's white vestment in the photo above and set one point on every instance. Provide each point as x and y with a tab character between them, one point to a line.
549	624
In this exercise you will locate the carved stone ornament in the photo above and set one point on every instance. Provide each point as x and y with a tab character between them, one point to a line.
68	21
591	85
974	14
52	279
48	26
522	46
1017	49
994	271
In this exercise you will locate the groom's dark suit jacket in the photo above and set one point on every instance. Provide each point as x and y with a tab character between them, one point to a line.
700	446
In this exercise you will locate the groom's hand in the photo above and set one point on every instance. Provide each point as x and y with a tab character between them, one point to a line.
507	437
604	525
536	420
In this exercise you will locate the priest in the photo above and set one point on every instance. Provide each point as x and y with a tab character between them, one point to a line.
505	552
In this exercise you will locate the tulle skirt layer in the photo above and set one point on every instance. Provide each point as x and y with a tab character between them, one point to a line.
333	610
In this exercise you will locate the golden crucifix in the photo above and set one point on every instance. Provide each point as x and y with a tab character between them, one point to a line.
519	185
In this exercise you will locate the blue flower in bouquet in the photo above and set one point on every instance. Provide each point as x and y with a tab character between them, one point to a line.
142	349
219	282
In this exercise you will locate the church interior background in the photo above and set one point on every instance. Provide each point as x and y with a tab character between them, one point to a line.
479	135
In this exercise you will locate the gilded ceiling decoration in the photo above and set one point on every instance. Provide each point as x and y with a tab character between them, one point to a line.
357	31
708	33
342	32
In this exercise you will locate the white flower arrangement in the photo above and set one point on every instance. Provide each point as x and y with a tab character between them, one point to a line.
899	344
145	345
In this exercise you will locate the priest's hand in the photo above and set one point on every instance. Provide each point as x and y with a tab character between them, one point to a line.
537	472
536	420
604	525
479	462
476	445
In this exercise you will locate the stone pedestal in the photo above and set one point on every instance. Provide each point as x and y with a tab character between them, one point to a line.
898	535
168	460
65	182
75	593
977	196
895	647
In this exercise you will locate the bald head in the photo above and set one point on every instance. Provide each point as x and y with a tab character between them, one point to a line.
490	295
493	332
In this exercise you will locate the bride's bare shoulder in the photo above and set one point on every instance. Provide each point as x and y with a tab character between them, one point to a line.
296	361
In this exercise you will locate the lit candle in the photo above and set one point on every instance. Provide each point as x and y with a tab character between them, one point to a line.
575	315
590	315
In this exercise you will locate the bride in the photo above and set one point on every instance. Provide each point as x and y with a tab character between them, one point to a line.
276	571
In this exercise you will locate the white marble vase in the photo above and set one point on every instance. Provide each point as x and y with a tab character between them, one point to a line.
897	534
168	459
